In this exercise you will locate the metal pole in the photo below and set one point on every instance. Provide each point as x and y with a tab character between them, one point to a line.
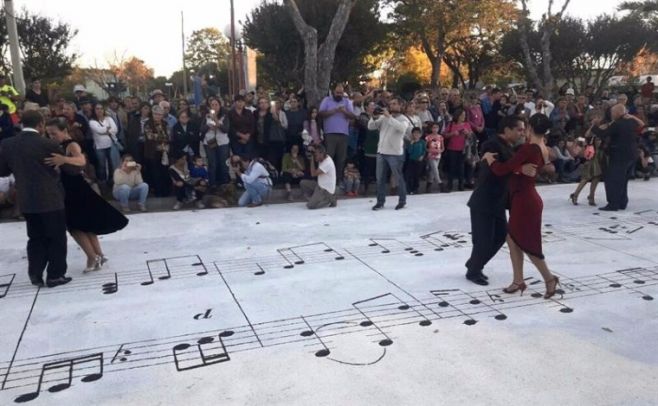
235	69
182	32
12	32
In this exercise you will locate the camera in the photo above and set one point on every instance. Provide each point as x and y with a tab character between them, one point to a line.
378	111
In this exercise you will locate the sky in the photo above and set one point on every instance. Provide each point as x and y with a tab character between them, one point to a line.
151	29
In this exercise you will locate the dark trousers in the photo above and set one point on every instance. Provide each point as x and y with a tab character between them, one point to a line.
455	168
616	183
157	176
412	174
46	245
488	232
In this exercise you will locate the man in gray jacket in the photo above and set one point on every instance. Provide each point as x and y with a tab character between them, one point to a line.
392	128
41	199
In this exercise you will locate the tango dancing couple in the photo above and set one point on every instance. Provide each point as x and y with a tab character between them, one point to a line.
507	180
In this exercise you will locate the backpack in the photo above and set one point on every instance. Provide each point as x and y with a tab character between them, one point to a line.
271	169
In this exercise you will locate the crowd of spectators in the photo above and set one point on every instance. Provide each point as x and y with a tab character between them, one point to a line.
256	141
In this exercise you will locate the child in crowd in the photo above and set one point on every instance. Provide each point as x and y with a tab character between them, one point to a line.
592	170
416	150
187	189
435	146
352	179
199	172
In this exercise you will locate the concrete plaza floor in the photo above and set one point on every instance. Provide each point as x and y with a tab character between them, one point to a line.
345	306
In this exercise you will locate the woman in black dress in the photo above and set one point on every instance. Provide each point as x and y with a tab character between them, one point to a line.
87	214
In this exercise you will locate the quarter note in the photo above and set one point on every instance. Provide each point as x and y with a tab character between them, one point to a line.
53	370
5	284
206	351
260	271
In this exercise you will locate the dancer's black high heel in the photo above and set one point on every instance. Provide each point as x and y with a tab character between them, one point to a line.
574	199
551	292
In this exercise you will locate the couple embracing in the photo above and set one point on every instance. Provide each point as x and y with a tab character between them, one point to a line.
508	181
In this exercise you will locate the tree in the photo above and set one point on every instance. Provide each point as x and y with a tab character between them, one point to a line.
205	46
548	25
43	44
270	30
131	75
463	34
645	9
586	54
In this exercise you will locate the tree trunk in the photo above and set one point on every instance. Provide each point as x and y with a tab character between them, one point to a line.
547	57
319	61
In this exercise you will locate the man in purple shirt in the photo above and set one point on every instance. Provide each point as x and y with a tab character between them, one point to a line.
336	112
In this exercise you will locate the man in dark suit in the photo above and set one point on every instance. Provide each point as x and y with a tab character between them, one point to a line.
41	199
489	199
621	139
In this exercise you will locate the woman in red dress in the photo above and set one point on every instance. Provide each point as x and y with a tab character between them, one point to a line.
524	231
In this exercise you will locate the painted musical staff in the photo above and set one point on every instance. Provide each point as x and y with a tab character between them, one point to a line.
295	255
121	355
207	351
443	294
52	372
5	284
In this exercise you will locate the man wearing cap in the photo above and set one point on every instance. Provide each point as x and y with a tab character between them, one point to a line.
79	93
9	97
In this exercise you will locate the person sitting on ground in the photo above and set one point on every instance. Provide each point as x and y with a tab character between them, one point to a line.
129	185
186	188
644	166
199	171
321	192
351	179
293	168
256	181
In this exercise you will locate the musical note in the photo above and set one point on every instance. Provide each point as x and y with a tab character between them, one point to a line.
121	355
206	351
55	368
386	250
475	301
495	297
310	332
368	322
441	293
111	287
441	240
164	266
5	284
260	272
293	255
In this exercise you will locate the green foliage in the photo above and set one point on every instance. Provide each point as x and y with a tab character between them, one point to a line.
44	46
205	46
587	53
270	30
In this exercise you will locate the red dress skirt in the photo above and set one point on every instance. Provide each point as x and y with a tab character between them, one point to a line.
526	205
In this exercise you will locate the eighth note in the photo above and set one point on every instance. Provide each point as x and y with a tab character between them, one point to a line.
69	365
111	287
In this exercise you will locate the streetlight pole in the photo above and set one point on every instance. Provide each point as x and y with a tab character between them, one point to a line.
12	32
182	32
233	56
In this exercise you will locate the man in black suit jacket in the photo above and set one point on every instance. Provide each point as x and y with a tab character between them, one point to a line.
489	199
41	199
621	139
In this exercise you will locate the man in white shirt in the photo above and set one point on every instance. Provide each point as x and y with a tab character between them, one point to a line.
323	192
392	128
256	181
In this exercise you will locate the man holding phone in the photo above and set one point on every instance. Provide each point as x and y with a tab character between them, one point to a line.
336	112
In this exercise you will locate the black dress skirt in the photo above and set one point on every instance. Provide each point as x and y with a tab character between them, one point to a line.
86	211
